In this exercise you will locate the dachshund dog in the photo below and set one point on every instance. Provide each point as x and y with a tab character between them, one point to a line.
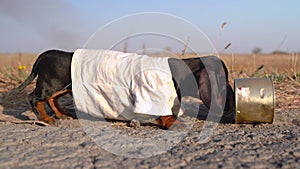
53	72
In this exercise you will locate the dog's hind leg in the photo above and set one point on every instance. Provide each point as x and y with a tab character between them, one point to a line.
53	104
39	110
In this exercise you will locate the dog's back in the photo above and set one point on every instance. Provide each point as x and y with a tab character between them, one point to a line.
53	68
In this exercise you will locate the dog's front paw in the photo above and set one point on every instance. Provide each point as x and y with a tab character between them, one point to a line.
167	122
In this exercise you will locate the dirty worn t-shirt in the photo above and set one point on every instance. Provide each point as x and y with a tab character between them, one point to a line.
117	85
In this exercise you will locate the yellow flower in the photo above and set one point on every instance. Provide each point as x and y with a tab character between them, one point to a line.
22	67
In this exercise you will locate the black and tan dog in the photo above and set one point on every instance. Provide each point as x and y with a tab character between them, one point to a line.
53	69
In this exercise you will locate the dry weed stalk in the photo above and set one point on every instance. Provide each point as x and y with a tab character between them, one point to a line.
125	45
226	47
232	61
223	25
254	67
6	118
185	47
294	64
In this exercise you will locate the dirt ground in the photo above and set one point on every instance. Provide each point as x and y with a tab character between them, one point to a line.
69	145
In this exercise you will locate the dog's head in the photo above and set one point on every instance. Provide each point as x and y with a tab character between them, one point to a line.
215	84
205	78
214	89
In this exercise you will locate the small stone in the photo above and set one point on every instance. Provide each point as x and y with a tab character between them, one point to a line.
135	123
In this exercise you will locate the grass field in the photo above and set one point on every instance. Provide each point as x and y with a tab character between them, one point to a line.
14	59
14	68
288	64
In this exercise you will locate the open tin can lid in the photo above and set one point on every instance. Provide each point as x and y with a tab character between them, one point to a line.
254	100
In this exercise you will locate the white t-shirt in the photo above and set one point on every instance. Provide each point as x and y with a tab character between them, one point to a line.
123	86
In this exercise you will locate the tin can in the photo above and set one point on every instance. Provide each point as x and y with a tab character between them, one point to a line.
254	100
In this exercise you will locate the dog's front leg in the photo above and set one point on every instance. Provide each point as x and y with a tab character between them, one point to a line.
166	122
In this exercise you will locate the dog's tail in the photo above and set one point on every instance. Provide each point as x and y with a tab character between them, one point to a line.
29	79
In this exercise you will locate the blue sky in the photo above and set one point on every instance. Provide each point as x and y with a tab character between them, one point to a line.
38	25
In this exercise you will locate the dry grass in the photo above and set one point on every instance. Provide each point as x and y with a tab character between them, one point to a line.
281	64
17	58
14	68
278	67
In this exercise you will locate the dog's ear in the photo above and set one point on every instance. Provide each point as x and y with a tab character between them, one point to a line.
195	64
204	88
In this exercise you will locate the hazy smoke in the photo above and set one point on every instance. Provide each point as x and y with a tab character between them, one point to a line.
55	20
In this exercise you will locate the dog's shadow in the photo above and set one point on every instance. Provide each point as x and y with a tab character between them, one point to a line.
16	107
19	107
